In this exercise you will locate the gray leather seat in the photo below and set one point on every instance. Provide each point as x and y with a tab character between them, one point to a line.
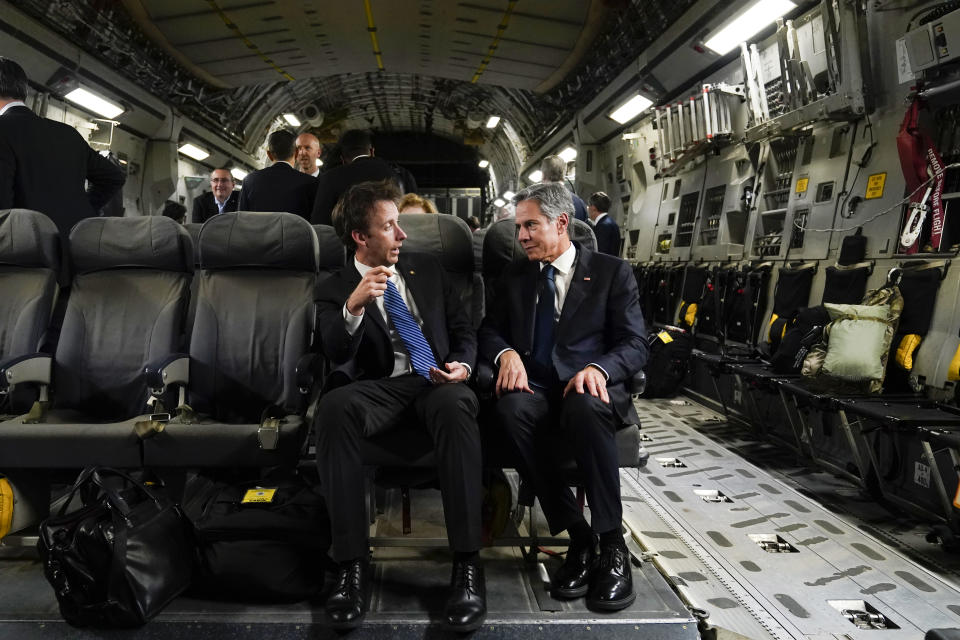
254	324
127	308
29	267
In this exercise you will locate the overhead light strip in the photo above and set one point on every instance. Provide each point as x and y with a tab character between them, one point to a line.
496	41
372	28
246	41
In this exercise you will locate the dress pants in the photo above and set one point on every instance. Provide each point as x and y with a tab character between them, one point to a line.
366	408
543	425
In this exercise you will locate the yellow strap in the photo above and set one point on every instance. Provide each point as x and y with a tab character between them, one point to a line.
908	344
953	373
691	315
6	507
773	318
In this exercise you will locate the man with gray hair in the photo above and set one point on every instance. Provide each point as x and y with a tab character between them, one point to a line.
554	169
567	381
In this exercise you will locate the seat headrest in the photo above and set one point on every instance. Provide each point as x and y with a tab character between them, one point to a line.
446	237
29	239
142	242
582	233
333	254
252	239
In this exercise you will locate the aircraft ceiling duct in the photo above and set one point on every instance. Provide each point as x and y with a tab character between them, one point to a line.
312	115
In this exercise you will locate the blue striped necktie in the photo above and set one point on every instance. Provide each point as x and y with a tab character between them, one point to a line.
421	355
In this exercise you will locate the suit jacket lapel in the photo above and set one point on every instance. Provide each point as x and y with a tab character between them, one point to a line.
579	288
415	283
528	301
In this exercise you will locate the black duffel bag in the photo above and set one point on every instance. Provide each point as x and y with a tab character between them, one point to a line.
264	539
670	351
120	558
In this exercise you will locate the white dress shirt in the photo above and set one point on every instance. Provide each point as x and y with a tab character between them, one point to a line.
11	105
599	218
565	265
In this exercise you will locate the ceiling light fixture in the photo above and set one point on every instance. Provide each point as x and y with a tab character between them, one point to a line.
100	106
508	194
291	119
746	24
568	154
535	176
499	202
493	122
630	109
483	164
238	173
195	152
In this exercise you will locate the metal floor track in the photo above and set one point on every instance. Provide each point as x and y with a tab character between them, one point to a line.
754	539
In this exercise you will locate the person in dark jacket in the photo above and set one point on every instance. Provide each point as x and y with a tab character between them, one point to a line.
359	165
220	199
604	227
44	165
279	187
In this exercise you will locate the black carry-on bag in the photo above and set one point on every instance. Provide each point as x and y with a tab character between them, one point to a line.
120	558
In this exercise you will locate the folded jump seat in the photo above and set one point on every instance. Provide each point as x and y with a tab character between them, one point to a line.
126	309
245	385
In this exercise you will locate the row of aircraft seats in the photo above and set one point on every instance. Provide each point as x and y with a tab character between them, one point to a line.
740	316
193	347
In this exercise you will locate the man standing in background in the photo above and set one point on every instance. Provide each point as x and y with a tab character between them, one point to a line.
279	187
44	165
604	227
220	199
308	151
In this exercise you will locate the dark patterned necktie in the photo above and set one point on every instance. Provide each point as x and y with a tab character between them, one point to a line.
543	328
421	355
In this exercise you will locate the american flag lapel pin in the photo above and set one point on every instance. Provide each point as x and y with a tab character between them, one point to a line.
586	279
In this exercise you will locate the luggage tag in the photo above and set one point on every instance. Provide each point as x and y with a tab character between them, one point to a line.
258	495
665	337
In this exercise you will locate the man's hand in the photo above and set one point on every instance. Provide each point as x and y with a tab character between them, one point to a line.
590	379
371	287
513	375
457	373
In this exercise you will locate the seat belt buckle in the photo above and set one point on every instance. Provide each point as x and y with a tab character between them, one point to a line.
268	433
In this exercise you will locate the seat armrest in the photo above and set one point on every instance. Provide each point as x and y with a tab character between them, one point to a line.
306	373
485	378
171	369
33	367
637	384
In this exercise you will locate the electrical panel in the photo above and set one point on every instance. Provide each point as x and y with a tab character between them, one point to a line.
934	43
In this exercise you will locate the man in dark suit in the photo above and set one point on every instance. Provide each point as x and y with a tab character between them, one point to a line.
43	164
359	165
604	227
566	331
396	328
220	199
279	187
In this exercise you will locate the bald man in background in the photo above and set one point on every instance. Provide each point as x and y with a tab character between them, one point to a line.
308	150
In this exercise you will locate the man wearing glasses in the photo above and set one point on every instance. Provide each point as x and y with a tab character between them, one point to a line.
221	199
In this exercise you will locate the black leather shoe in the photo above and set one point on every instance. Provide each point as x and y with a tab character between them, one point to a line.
467	605
347	604
572	579
611	584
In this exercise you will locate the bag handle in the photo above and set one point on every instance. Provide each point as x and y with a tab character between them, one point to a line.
95	475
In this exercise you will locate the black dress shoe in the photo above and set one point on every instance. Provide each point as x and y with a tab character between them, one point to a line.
611	584
467	605
572	579
347	605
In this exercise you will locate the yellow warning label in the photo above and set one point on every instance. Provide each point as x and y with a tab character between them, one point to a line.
665	337
875	185
802	185
258	495
956	498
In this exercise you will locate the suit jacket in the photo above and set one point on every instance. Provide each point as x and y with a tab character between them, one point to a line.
600	322
43	165
332	184
205	206
579	208
608	236
368	353
279	187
